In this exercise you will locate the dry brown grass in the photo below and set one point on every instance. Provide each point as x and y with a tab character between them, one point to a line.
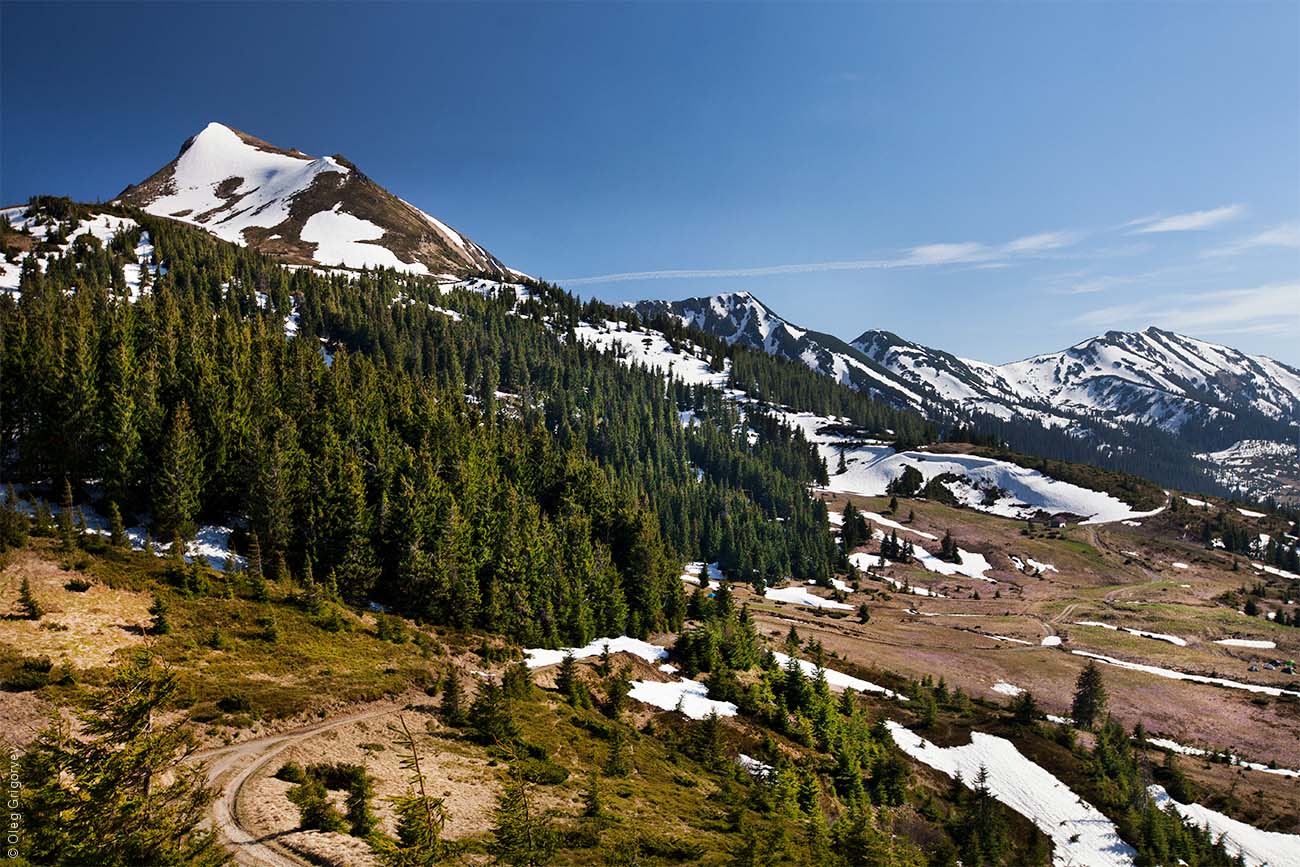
85	630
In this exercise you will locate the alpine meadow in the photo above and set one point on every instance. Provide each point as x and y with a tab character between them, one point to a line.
330	536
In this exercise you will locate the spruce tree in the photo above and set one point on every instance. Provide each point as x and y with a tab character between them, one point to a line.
421	817
566	680
27	604
1089	696
522	836
67	519
176	489
120	794
116	530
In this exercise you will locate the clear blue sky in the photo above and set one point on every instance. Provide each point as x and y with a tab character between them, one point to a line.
996	179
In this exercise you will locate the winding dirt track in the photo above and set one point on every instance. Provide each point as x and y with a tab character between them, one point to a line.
230	768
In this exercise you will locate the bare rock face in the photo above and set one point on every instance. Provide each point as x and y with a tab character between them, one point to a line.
306	210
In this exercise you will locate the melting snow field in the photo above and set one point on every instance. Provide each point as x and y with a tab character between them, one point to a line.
1031	563
870	468
541	656
839	680
340	237
651	349
1051	641
1257	847
1247	642
1004	688
1174	746
1179	675
798	595
1141	633
691	574
972	565
689	696
1080	833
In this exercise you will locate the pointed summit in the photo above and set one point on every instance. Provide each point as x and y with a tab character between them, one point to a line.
307	210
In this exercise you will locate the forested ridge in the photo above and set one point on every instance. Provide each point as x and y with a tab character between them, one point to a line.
481	469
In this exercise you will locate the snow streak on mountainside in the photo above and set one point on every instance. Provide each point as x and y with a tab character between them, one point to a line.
739	317
1151	377
320	211
1209	395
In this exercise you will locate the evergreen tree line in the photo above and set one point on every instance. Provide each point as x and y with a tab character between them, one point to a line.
487	471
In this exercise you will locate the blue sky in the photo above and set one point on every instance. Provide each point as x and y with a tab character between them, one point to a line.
997	180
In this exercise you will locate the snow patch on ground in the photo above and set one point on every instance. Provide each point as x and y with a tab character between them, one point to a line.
691	574
798	595
1257	644
689	696
542	656
339	238
1179	675
1051	641
1257	847
870	468
894	525
839	680
1080	833
1158	636
1004	688
1184	750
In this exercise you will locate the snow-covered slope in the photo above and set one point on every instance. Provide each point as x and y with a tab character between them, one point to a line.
1207	394
740	318
308	210
1080	833
1150	377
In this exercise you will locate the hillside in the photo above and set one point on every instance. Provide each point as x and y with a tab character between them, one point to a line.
1121	395
306	210
329	502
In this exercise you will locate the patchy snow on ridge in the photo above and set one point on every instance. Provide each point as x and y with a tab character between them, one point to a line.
798	595
1004	688
1141	633
870	469
339	238
837	679
651	349
1184	750
1258	848
1181	675
1080	833
689	696
268	182
542	656
1257	644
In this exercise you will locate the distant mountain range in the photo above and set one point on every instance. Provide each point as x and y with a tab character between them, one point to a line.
1212	400
1211	397
307	210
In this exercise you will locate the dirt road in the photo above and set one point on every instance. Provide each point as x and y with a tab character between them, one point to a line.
230	768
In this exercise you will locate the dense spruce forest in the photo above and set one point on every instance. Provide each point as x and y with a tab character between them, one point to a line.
481	468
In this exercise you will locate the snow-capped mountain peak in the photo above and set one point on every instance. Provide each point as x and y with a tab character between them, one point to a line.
740	318
308	210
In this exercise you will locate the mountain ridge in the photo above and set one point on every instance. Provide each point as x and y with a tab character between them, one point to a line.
1209	396
307	210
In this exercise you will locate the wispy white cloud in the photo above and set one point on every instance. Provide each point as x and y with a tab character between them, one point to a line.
972	253
1040	242
1282	235
947	254
1189	222
715	273
1270	309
